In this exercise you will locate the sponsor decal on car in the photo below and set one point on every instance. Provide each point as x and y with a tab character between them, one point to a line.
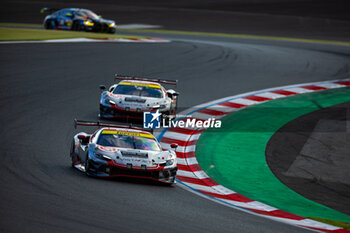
140	84
152	120
135	134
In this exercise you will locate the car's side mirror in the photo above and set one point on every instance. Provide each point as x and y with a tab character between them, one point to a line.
111	89
171	93
81	137
102	87
173	145
84	139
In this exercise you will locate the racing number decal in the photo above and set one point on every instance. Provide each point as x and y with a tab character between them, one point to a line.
69	23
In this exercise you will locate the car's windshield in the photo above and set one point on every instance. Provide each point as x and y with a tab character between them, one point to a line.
87	13
127	141
143	91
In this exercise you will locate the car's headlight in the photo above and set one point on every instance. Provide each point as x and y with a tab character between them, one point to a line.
104	157
111	25
109	101
88	23
158	106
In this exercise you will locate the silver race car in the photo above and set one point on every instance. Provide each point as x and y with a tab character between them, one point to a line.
116	150
132	96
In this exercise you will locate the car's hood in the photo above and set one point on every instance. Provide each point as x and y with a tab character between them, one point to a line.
142	156
137	158
138	102
102	20
96	20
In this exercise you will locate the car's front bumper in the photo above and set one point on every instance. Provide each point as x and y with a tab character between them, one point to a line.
166	175
101	27
108	112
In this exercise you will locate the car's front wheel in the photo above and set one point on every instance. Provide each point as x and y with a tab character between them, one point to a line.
48	25
112	31
87	167
76	26
72	153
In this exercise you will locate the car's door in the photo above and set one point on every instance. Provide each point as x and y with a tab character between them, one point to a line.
64	19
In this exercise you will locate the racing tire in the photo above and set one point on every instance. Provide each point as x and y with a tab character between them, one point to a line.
48	25
87	167
72	153
111	31
76	26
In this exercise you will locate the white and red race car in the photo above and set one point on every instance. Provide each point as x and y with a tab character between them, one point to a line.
119	150
132	96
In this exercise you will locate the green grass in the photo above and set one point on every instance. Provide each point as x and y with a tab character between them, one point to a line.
234	155
207	34
19	34
21	24
344	225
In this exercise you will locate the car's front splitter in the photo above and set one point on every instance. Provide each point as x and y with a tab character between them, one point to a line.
105	171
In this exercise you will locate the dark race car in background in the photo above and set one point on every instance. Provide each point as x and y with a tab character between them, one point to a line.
78	20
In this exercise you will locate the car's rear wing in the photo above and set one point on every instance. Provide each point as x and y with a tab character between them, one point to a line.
164	81
101	124
48	10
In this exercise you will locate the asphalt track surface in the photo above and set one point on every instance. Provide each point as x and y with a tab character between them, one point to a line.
45	86
316	164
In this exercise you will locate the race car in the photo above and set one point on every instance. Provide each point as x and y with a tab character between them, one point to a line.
78	20
119	150
132	96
